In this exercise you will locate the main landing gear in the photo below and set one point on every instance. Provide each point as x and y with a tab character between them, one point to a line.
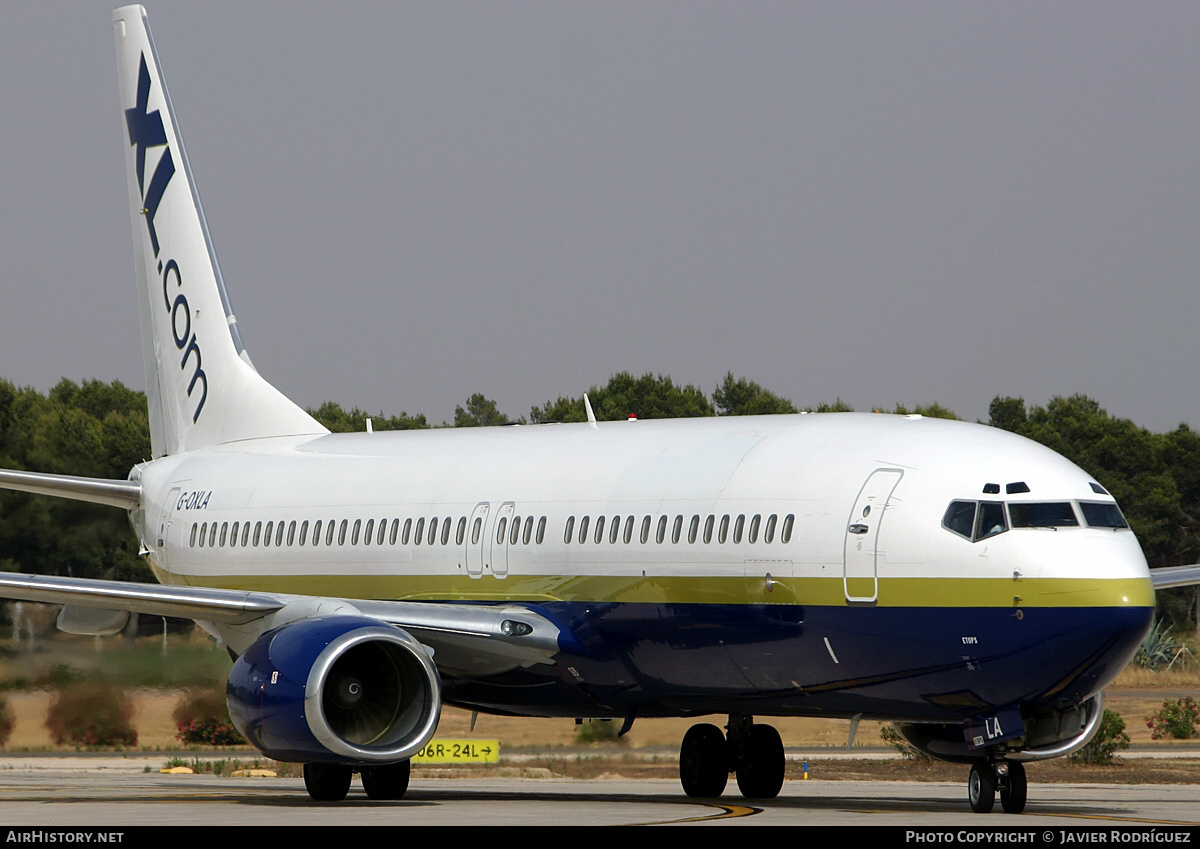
331	782
989	776
754	752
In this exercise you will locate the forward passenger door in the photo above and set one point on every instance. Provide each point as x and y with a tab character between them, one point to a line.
860	579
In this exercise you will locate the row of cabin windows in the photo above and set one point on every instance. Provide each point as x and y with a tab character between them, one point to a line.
585	529
419	532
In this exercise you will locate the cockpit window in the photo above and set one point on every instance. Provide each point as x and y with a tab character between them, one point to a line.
960	518
991	520
978	520
1044	514
1102	515
975	520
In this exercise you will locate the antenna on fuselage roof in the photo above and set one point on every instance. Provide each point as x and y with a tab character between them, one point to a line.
587	405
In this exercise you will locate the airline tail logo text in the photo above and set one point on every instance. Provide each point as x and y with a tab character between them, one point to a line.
146	131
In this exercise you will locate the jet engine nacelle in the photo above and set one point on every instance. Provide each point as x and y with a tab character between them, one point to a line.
341	689
1047	735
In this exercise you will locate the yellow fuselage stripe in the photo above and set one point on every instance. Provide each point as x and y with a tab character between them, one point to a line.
892	592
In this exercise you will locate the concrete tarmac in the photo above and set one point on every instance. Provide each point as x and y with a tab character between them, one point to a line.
112	791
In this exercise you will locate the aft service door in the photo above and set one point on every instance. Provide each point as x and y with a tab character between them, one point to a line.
859	577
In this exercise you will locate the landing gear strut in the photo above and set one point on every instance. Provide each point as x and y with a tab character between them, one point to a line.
753	751
989	776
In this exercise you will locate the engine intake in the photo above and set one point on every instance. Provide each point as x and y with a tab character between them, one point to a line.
343	689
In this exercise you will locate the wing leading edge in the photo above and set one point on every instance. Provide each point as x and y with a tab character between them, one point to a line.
466	639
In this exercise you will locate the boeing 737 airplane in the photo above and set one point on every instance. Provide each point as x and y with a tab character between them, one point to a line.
967	584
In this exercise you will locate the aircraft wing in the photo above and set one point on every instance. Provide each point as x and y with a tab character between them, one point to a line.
466	639
115	493
1175	576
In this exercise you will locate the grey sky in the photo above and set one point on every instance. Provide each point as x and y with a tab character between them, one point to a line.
886	202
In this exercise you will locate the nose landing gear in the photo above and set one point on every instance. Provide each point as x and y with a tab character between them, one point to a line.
988	776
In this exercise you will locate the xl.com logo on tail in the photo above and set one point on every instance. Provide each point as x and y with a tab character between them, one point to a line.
146	131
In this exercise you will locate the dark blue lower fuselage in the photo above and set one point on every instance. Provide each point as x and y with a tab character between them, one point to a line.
926	664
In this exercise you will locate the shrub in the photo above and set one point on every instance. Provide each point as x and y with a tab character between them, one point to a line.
1175	719
202	719
1161	649
7	720
897	741
93	713
1110	737
597	731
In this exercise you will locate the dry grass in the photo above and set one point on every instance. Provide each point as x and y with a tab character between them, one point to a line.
1136	694
1137	677
156	728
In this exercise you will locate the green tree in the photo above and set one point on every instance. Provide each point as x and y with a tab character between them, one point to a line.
838	406
1007	413
480	412
742	397
647	397
929	411
339	420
